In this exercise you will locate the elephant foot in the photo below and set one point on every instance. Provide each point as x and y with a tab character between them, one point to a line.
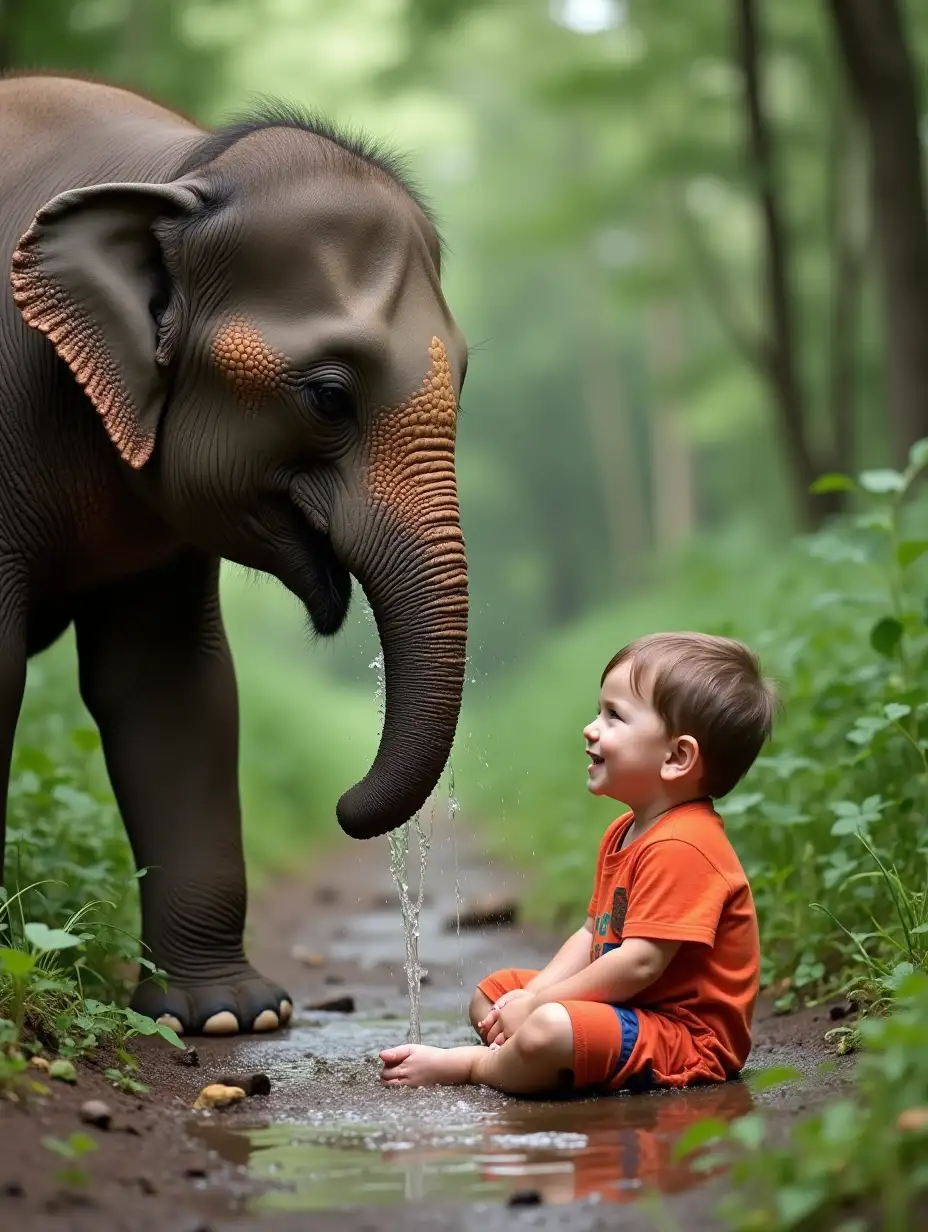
239	1003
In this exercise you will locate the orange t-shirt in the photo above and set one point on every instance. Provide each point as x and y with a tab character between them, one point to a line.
681	881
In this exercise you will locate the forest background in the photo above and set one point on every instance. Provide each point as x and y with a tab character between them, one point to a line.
688	245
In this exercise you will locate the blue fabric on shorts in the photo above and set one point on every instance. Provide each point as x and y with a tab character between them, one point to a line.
628	1024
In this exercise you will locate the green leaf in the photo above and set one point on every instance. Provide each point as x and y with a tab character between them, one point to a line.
833	482
43	938
773	1076
909	551
63	1070
918	452
880	482
697	1135
885	636
796	1202
87	739
169	1034
16	963
895	711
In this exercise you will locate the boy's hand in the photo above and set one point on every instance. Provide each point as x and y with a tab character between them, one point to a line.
486	1025
511	1018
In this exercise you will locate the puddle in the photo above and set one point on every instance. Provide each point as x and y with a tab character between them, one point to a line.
609	1147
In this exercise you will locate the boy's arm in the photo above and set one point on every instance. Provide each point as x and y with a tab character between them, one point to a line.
572	957
613	977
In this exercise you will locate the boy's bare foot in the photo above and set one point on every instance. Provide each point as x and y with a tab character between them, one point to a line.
419	1065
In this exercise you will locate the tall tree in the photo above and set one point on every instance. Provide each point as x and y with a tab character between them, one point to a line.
874	45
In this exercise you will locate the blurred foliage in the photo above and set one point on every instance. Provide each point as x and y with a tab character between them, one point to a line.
857	1163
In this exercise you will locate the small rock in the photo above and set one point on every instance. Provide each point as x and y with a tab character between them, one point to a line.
11	1189
147	1186
327	894
337	1005
307	957
332	978
63	1070
218	1096
525	1197
195	1173
96	1112
251	1084
484	913
133	1130
40	1063
189	1056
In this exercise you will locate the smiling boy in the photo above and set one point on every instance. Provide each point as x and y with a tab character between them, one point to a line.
658	986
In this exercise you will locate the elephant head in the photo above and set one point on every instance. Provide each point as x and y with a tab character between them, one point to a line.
265	338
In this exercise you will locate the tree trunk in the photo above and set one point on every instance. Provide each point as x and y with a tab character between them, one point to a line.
611	429
780	354
674	512
873	44
10	13
848	227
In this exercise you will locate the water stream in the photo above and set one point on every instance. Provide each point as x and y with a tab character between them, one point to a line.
399	839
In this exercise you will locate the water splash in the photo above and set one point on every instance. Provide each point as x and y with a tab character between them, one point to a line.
453	810
399	839
410	909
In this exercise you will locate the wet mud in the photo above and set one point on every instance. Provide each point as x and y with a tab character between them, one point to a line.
328	1141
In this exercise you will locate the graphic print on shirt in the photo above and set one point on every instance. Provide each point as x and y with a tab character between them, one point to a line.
613	920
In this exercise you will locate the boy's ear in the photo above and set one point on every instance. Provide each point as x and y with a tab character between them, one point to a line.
682	758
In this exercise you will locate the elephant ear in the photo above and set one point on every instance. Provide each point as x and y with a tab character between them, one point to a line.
90	274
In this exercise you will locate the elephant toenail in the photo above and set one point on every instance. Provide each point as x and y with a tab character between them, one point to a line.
168	1020
286	1009
223	1023
267	1020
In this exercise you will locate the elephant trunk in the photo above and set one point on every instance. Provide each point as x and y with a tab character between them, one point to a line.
409	557
419	600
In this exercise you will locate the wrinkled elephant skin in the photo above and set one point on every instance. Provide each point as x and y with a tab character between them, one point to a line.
228	345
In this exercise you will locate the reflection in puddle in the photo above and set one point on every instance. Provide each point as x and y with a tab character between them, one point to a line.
610	1147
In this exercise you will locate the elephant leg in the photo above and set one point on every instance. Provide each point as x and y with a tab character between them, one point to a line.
12	686
156	674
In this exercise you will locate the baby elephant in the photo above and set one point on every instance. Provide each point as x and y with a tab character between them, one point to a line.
219	344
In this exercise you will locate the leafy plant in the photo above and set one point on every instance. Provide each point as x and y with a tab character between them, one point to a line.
73	1149
863	1152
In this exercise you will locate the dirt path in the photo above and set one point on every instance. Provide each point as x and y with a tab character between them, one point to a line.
328	1136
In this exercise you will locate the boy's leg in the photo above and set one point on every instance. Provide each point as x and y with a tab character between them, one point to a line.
480	1005
538	1059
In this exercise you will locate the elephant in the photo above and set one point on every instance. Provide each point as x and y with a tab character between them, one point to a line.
228	344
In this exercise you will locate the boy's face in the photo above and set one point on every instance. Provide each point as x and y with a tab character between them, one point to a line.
632	756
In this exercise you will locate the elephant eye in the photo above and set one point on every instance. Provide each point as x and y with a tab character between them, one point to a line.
331	399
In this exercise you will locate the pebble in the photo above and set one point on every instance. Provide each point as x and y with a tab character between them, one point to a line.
40	1063
336	1005
218	1096
11	1189
189	1056
251	1084
307	957
525	1197
96	1112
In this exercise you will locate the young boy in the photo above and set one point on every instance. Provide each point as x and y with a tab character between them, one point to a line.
658	986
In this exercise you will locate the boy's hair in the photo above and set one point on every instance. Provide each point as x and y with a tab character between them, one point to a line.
710	688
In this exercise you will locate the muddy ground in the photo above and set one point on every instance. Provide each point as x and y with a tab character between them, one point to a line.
328	1139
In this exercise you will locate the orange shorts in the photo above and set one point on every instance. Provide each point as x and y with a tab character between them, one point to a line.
604	1035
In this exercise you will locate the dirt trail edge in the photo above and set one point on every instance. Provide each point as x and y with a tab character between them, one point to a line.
453	1158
